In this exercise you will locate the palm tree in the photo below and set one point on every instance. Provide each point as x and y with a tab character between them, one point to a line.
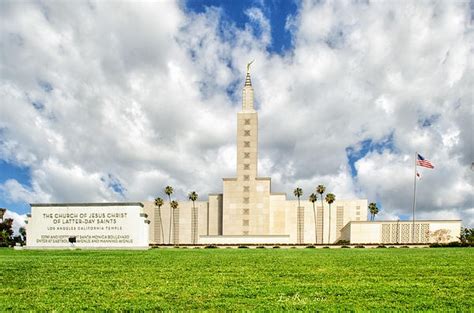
313	198
193	196
169	192
174	205
321	189
2	213
298	193
159	203
373	209
330	198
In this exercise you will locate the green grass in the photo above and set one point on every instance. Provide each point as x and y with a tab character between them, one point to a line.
238	279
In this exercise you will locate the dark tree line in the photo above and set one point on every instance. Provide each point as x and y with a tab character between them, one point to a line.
6	232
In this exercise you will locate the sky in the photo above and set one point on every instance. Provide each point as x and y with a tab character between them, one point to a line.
112	101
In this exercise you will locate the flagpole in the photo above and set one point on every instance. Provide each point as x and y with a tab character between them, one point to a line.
414	202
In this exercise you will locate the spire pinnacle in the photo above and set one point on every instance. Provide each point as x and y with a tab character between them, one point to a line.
248	66
248	82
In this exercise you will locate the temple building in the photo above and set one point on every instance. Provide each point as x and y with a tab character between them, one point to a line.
249	212
246	212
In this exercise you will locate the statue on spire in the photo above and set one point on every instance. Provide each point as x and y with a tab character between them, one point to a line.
248	66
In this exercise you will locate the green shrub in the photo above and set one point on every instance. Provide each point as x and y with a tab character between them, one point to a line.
243	247
452	244
260	247
210	247
359	246
343	242
467	236
344	247
381	246
276	247
310	247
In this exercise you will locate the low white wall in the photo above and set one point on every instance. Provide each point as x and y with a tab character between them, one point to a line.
233	240
426	231
366	232
102	225
445	231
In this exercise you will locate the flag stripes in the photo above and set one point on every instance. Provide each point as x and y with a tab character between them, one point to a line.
421	161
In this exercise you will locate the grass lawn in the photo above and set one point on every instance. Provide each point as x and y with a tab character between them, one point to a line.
239	279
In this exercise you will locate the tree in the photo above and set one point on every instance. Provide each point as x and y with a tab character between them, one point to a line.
193	196
373	209
467	235
169	192
22	232
298	192
321	189
174	205
2	213
313	198
330	198
6	232
159	203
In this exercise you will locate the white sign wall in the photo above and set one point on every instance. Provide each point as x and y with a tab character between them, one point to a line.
92	225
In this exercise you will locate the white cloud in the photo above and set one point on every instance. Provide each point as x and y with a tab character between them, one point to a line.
18	221
148	96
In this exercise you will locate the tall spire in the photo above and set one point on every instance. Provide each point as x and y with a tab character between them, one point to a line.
247	92
248	82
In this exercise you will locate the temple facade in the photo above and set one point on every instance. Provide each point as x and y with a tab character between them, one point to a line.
247	211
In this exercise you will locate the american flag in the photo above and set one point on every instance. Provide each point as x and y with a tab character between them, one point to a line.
421	161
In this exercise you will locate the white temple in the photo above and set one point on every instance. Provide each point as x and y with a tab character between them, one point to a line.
246	212
249	212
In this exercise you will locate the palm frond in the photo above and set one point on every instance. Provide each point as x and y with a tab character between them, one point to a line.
330	198
169	190
320	189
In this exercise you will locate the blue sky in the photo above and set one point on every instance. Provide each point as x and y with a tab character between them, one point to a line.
22	175
110	107
276	11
